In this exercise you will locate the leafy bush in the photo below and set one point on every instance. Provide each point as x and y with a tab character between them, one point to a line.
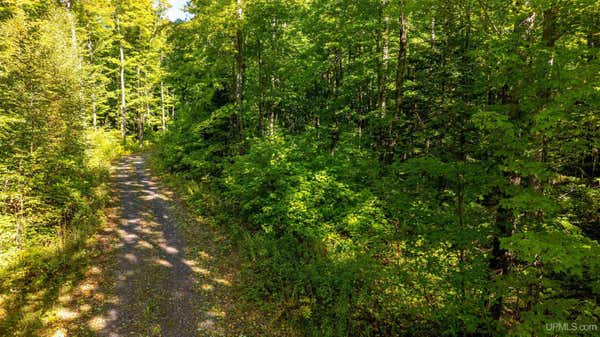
314	237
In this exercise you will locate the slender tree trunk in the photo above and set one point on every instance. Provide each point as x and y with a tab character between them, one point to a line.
550	35
94	114
551	32
72	28
261	91
147	108
401	67
78	65
432	32
239	57
21	221
239	72
272	121
92	94
378	47
140	108
147	90
272	108
162	106
122	82
360	112
170	103
385	58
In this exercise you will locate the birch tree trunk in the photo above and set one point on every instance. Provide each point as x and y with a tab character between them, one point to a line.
432	32
140	107
162	106
385	58
123	106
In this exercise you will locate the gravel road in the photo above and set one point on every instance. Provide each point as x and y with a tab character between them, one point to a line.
155	284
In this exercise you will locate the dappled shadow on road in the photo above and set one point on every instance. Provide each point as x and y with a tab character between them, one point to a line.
155	285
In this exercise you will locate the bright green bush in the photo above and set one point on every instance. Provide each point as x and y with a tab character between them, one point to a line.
314	237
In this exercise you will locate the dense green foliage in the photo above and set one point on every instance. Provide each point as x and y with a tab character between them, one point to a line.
59	66
411	168
389	167
57	97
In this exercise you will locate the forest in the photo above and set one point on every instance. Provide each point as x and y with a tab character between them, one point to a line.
378	167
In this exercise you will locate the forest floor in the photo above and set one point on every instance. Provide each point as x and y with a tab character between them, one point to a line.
142	279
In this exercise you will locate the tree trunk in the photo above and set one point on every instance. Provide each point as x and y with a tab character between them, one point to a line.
272	108
401	67
122	82
72	27
78	65
93	95
140	108
261	91
147	107
21	221
551	32
162	106
385	59
171	104
239	73
94	115
123	106
432	32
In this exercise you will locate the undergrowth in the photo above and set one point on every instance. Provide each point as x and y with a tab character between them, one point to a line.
54	253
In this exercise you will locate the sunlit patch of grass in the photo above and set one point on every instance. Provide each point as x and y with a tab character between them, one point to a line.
207	287
59	333
222	281
66	314
99	297
189	263
205	256
87	288
65	298
164	263
216	311
94	270
103	147
201	271
84	308
97	323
